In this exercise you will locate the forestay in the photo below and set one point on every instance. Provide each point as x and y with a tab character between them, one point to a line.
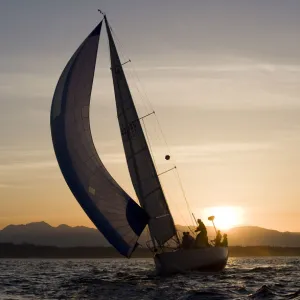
139	160
112	211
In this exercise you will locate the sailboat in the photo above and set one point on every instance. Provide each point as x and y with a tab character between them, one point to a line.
115	214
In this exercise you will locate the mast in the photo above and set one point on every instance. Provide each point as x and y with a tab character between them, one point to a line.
139	160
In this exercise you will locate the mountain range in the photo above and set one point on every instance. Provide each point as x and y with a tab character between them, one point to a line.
41	233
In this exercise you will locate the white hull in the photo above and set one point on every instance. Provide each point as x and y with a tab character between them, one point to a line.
210	259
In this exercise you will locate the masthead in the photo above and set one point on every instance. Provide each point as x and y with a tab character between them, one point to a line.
101	12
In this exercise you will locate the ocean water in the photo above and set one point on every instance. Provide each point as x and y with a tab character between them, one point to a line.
243	278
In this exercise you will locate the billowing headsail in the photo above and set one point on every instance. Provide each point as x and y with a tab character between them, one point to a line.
113	212
139	160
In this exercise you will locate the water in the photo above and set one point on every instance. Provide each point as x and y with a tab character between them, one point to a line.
243	278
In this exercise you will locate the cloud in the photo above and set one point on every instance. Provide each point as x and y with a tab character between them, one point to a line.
206	153
214	153
215	148
14	186
20	159
237	84
226	68
17	153
209	153
26	84
37	85
14	159
3	186
28	165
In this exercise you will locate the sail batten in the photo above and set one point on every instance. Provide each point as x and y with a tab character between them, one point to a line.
113	212
140	164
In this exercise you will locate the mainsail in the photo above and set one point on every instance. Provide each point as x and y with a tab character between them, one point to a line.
141	168
112	211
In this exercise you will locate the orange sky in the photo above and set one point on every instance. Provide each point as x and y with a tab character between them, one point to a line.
224	85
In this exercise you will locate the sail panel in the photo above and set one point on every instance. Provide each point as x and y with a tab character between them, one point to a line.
139	160
113	212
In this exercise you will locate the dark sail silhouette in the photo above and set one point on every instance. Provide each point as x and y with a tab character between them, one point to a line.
141	168
112	211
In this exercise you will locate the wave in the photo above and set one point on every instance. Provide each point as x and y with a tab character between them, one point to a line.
135	279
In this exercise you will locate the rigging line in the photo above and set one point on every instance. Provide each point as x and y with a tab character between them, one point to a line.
133	75
149	236
143	92
178	177
149	144
137	77
116	39
144	102
166	144
154	163
160	129
184	196
109	38
177	173
164	141
179	210
166	171
134	79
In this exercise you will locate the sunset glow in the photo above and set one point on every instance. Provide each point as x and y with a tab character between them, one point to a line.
226	217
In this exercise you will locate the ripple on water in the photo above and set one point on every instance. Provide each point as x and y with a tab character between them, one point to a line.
244	278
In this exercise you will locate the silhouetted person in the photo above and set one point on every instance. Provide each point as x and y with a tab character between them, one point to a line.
190	240
201	239
201	226
185	241
218	239
224	243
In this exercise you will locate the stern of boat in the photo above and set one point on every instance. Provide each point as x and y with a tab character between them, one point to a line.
210	259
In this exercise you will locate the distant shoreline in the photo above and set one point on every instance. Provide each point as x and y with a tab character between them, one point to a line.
8	250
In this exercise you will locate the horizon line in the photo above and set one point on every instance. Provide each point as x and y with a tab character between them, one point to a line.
176	225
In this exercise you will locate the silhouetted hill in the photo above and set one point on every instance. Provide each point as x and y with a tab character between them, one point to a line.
254	236
41	233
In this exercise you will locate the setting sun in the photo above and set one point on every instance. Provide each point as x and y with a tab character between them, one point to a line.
226	217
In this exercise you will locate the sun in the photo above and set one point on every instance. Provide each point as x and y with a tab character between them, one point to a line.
226	217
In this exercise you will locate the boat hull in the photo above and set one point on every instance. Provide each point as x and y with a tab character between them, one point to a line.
211	259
